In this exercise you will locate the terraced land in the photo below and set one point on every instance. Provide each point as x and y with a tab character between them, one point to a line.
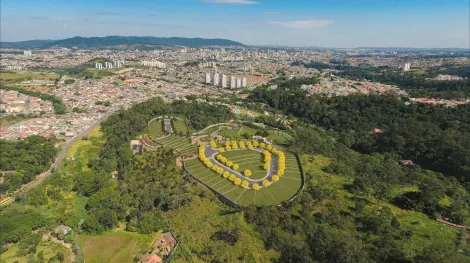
182	145
276	193
180	126
230	133
155	128
247	159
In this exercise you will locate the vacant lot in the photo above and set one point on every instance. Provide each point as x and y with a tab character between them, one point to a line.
115	247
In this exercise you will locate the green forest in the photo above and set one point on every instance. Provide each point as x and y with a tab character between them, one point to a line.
359	203
23	160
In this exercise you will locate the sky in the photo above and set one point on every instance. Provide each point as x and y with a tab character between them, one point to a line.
299	23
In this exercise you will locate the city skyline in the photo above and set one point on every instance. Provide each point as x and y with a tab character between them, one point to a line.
337	23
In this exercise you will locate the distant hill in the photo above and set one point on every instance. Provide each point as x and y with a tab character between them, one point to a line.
96	42
25	44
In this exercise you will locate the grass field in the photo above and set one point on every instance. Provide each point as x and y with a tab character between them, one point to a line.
95	132
155	128
183	145
115	246
230	133
277	139
180	126
276	193
75	146
248	159
50	249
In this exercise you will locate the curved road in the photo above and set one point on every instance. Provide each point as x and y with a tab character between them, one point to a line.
269	173
42	177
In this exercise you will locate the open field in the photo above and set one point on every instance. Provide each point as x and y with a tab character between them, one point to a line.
95	132
180	126
230	133
183	145
115	246
155	128
21	76
277	139
75	146
276	193
248	159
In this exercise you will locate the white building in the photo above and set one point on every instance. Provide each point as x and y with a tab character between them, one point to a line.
216	79
98	66
223	83
407	67
233	82
208	78
243	82
239	82
28	52
156	64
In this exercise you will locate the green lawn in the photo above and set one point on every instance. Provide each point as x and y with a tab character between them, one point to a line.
180	126
276	193
277	139
229	133
155	128
248	159
114	246
183	145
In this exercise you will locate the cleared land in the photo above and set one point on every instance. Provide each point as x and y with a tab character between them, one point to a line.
155	128
183	145
248	159
276	193
277	139
115	246
180	126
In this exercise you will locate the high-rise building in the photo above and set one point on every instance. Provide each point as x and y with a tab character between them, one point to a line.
239	82
243	82
208	78
28	52
407	67
223	83
98	66
233	82
216	79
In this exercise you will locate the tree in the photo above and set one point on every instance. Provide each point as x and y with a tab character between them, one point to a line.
228	148
229	163
247	173
237	181
242	145
280	172
221	150
213	144
262	145
232	177
266	166
275	178
236	167
245	184
226	174
255	187
255	143
266	183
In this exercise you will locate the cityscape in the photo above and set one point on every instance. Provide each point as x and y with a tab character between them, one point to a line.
235	131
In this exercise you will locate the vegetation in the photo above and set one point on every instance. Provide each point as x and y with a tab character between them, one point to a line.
24	160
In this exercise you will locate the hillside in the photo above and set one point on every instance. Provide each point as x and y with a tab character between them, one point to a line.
25	44
94	42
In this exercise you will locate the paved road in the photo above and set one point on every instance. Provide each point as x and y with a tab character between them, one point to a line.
211	153
168	127
41	178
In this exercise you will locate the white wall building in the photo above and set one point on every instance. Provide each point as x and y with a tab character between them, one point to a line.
233	82
223	83
216	79
407	67
208	78
244	82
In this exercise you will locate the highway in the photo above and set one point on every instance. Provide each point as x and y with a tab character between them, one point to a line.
42	177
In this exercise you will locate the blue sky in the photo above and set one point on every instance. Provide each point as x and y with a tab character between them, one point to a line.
325	23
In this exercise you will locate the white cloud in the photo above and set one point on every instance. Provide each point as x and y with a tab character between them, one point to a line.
272	13
303	24
234	2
